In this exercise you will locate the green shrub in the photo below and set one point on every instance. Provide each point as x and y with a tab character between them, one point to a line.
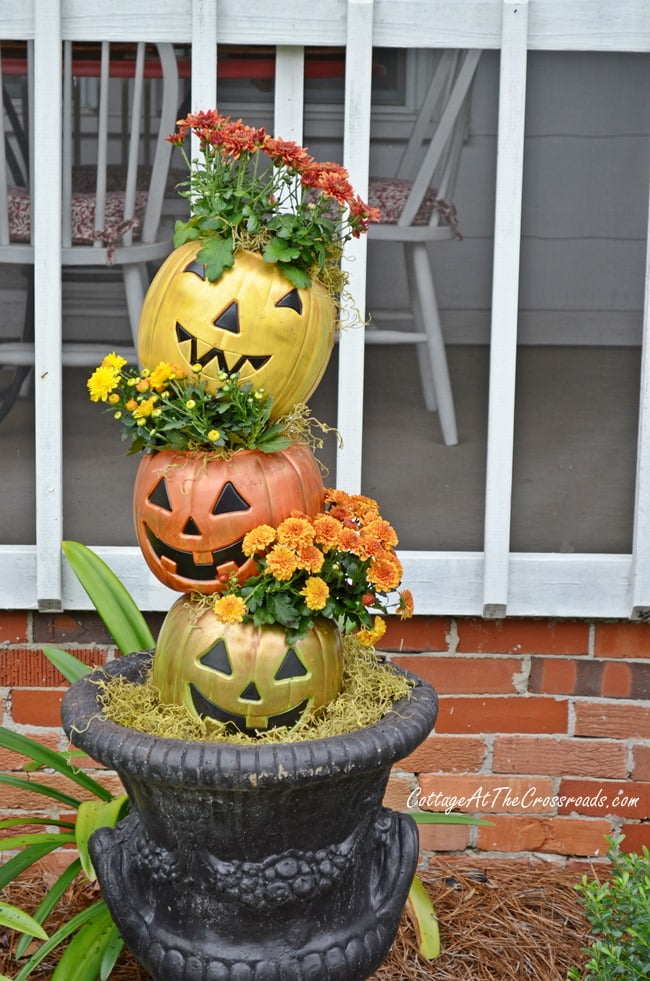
618	910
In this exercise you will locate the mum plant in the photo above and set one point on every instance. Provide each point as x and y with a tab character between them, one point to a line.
340	564
162	408
249	190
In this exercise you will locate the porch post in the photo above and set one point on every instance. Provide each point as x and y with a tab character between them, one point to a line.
640	581
505	297
46	238
356	158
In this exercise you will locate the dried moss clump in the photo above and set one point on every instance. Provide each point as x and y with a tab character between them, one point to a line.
370	688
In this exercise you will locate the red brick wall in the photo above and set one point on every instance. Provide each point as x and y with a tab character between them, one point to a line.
531	711
544	726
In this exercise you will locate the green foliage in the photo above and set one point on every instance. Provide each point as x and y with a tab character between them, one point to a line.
217	254
425	920
339	564
618	909
113	603
16	919
249	190
89	947
420	907
164	410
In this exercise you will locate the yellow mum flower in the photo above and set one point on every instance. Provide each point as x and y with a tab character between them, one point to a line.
371	636
316	593
258	539
102	382
281	562
145	408
214	435
114	360
161	375
229	608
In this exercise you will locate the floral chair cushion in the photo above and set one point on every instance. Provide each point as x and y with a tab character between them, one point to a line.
390	194
83	218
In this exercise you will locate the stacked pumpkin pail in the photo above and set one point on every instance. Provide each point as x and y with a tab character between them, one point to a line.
275	859
192	510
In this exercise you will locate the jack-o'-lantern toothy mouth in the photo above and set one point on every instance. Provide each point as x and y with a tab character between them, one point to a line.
229	361
184	564
206	707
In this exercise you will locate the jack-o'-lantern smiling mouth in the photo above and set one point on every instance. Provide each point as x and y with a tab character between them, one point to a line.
229	361
202	566
228	320
206	707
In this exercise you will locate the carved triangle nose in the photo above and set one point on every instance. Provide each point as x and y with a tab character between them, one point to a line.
251	694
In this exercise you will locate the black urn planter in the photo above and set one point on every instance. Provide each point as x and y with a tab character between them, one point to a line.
275	862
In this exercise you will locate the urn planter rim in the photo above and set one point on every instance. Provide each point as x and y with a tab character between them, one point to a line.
245	766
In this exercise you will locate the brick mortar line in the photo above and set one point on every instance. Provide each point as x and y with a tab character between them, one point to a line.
591	640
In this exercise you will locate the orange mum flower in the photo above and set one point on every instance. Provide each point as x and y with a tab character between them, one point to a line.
361	215
235	138
371	636
296	532
316	593
310	558
385	572
341	513
369	548
286	153
258	539
229	609
333	495
281	562
364	505
349	541
382	530
327	530
405	606
330	178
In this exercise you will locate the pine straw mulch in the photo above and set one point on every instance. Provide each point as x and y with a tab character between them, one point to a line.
499	921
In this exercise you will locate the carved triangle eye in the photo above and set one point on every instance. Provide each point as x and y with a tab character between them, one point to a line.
291	300
182	334
159	495
229	500
197	268
217	658
191	527
229	319
291	667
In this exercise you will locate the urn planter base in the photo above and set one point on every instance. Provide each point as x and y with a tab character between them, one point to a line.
269	862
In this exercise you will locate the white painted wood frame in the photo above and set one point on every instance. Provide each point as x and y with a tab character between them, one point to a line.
493	581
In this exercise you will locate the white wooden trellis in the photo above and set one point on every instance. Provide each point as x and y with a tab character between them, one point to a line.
494	581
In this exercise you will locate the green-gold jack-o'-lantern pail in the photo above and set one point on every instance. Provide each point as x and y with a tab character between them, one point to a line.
252	321
250	678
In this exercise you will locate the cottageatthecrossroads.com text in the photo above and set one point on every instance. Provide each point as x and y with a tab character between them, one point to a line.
502	798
